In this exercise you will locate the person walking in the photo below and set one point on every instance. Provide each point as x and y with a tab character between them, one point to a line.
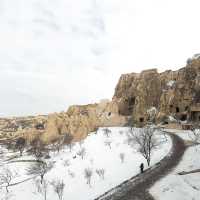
142	168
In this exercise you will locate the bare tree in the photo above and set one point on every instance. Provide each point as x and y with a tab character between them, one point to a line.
71	146
81	142
40	168
66	163
64	139
108	143
57	145
122	156
67	138
101	173
146	141
81	153
20	145
88	175
58	187
71	174
6	176
37	148
42	188
107	132
130	139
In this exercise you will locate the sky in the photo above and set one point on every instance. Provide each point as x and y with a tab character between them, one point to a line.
54	54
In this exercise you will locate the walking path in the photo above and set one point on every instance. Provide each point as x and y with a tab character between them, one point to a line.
137	187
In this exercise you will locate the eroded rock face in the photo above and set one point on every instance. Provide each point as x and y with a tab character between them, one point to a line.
136	93
27	127
146	96
78	121
171	93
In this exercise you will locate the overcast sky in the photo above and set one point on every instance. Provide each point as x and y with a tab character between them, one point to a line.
54	53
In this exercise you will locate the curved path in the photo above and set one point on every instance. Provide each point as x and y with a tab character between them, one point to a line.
137	187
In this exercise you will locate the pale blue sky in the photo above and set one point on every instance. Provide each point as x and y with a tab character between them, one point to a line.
57	53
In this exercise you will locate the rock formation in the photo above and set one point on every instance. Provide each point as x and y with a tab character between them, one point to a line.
141	97
174	94
78	121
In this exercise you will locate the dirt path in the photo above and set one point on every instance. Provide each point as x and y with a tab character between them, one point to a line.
137	187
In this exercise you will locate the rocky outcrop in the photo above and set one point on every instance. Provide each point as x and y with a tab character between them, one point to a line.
170	93
78	121
141	97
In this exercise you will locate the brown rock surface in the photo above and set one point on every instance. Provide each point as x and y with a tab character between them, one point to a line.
77	121
146	96
171	93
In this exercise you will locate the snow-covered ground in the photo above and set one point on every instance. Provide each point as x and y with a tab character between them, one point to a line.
181	187
70	167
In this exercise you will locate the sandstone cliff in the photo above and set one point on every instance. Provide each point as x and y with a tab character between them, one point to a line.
141	97
171	93
77	121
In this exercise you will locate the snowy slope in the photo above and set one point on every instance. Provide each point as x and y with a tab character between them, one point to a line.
181	187
98	155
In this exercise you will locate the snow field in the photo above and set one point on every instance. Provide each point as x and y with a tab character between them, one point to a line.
181	187
102	152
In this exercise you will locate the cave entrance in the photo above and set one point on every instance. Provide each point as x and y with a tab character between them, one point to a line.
165	122
171	108
141	119
177	109
39	126
183	117
131	103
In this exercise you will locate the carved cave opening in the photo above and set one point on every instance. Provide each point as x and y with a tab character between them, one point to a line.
126	108
141	119
183	117
131	103
171	108
177	109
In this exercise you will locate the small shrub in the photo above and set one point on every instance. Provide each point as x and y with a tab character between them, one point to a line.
58	187
88	175
66	163
108	143
81	153
101	173
107	132
122	156
71	174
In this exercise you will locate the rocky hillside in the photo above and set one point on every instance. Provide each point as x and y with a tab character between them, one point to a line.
78	121
153	96
141	97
